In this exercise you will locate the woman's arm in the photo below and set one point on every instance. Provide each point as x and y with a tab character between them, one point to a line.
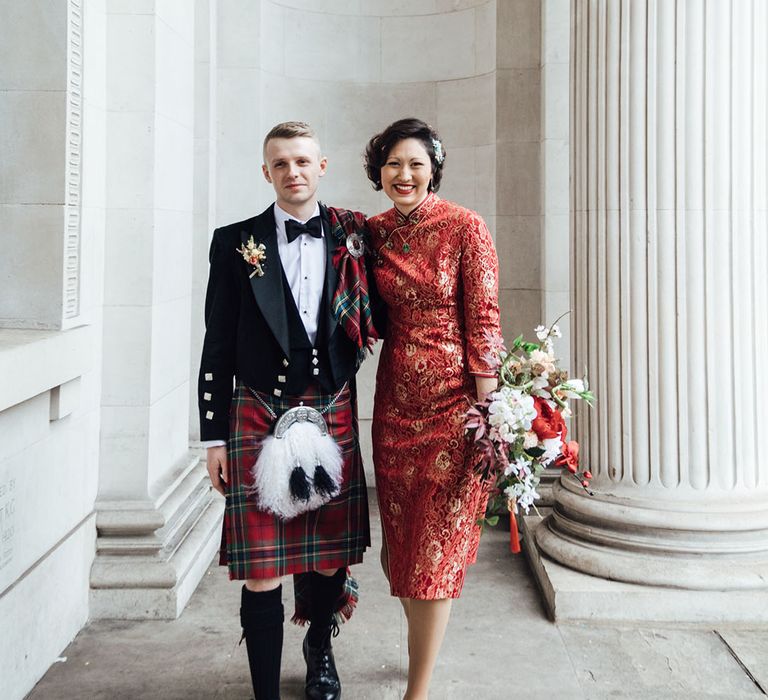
480	284
378	307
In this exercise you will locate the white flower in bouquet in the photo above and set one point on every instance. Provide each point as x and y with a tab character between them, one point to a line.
573	388
552	448
544	332
523	492
519	468
510	413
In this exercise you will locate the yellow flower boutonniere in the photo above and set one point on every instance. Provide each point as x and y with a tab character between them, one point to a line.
254	255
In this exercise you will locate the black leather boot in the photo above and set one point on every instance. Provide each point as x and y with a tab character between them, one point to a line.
322	681
261	615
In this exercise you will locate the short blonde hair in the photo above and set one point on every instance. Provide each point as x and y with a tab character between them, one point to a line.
289	130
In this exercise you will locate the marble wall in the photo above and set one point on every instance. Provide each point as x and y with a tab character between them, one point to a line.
156	518
133	129
204	181
96	218
518	169
349	69
471	68
555	254
148	258
34	81
51	223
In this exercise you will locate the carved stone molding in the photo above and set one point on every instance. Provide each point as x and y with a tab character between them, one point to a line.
73	163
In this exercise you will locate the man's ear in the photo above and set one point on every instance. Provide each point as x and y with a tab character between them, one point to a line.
323	165
265	170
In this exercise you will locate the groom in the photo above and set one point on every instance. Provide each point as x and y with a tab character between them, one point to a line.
288	320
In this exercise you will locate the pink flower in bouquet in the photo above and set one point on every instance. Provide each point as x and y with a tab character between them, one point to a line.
495	347
549	422
542	363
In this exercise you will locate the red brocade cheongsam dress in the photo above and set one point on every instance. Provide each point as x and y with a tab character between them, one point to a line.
437	271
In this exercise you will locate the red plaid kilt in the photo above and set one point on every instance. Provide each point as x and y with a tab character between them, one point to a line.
257	544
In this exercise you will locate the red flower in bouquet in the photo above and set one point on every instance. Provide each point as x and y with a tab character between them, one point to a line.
569	457
549	422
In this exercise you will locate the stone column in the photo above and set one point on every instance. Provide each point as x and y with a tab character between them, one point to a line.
158	526
669	291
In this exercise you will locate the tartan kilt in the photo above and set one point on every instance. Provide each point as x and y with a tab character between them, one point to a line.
257	544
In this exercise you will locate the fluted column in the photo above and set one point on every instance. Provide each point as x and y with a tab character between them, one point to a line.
669	292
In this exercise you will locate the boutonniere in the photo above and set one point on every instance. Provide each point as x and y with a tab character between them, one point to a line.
254	255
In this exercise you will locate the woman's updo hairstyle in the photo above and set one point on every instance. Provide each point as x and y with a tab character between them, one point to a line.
378	148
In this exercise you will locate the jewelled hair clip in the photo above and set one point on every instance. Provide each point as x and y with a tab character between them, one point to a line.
438	148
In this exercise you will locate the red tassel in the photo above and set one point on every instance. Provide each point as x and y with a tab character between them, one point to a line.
514	535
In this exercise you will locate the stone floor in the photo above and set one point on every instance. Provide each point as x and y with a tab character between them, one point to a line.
499	645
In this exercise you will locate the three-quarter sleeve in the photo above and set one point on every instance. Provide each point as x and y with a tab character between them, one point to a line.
378	306
480	282
217	365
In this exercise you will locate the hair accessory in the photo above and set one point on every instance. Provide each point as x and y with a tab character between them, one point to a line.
438	148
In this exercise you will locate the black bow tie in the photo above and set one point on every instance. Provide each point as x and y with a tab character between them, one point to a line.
293	228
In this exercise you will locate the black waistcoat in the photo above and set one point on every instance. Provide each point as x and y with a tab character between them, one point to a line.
305	358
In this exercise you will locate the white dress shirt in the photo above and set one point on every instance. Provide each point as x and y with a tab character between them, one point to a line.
304	266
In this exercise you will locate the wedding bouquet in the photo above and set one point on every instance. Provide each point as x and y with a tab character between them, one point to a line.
519	429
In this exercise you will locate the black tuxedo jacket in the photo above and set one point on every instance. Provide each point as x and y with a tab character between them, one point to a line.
247	324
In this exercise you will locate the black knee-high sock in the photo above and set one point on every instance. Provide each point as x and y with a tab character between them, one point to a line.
326	591
261	615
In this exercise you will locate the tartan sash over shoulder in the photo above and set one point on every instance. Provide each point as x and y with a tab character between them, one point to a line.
351	304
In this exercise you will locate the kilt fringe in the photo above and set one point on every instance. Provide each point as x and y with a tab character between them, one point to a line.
345	605
349	598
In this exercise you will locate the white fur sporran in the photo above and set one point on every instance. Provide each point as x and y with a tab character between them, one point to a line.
300	465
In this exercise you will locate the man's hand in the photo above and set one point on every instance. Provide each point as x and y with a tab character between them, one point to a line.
218	469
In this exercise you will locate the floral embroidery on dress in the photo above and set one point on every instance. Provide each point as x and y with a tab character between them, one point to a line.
442	296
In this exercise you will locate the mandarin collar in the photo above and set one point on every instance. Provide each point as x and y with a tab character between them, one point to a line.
419	213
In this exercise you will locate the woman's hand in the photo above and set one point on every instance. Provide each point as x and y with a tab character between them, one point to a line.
218	469
485	385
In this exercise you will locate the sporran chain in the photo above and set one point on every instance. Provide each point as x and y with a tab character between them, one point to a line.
322	412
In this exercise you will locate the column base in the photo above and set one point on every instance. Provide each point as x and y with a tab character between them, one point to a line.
151	555
570	595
